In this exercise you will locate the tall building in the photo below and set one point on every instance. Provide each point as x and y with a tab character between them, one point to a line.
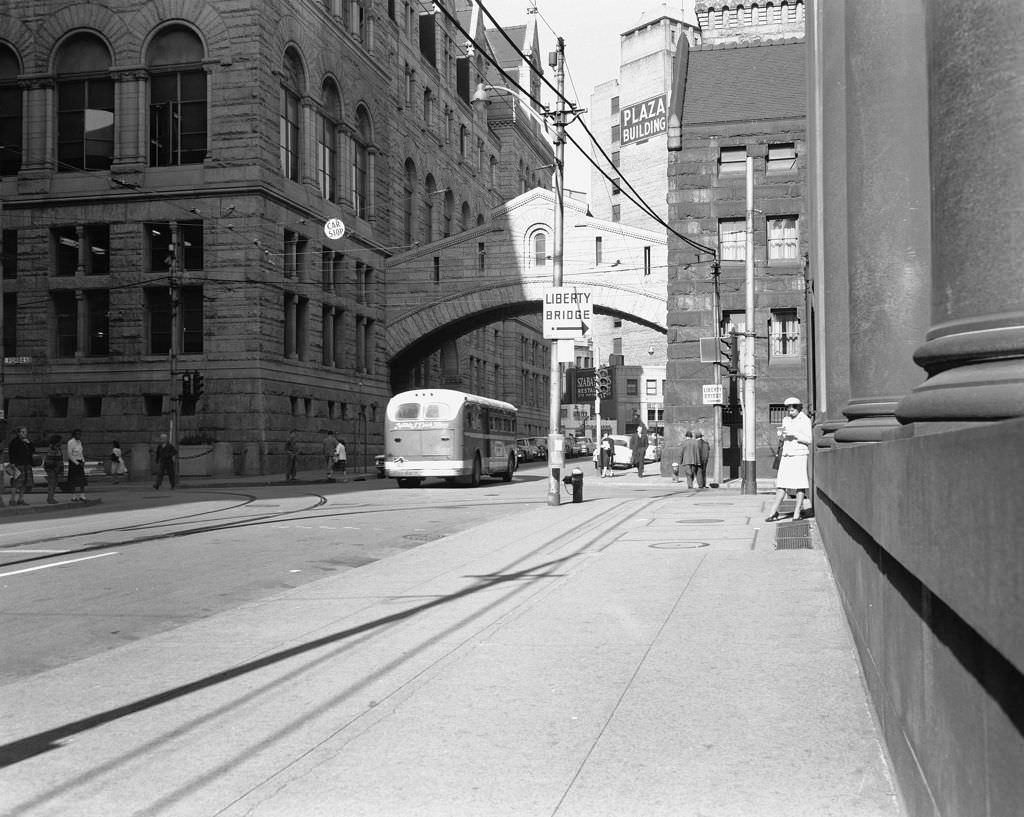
739	94
167	173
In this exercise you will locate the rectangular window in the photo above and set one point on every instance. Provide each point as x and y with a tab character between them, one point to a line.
9	259
10	128
732	161
289	134
191	320
177	118
85	124
598	254
158	319
783	238
781	158
92	405
784	330
632	387
647	260
11	324
616	212
481	256
163	251
59	406
153	404
615	133
66	245
616	186
97	251
462	78
326	158
614	105
97	302
652	387
65	313
428	38
616	158
437	270
732	239
776	414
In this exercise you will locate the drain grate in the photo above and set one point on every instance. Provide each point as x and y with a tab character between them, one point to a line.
793	536
423	537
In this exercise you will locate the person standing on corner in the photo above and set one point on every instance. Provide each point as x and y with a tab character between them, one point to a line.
165	456
53	464
330	453
607	450
795	437
20	452
638	443
689	457
341	457
291	453
704	454
76	466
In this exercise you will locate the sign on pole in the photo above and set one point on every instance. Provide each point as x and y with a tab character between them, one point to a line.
713	394
334	228
567	313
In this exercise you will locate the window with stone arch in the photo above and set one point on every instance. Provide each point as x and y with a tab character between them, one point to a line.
328	118
85	104
538	248
361	140
467	216
409	202
292	86
448	213
177	98
10	112
429	194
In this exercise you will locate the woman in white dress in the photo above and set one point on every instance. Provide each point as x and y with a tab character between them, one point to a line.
795	436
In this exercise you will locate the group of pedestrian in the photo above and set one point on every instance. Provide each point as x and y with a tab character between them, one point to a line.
693	459
21	459
335	456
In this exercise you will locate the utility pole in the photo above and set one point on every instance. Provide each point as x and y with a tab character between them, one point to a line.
556	453
716	429
749	476
175	297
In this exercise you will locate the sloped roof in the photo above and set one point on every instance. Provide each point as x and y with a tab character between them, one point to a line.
747	82
504	53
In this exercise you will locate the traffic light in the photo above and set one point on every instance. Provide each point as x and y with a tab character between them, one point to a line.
731	352
604	382
186	386
197	385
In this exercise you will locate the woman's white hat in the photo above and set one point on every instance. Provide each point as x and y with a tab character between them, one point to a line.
792	401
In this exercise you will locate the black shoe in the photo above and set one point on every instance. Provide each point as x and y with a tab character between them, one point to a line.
773	518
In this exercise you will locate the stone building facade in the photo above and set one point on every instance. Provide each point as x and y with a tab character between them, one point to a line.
168	171
724	117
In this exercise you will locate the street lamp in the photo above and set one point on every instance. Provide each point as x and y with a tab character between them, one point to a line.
556	453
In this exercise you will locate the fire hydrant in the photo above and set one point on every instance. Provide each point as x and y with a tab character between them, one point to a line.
675	472
575	479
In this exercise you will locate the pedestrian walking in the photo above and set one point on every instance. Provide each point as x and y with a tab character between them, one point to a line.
329	449
291	453
340	458
607	450
166	455
795	436
117	467
76	466
53	464
704	454
20	452
689	457
638	442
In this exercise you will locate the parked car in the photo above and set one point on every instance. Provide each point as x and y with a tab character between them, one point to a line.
526	450
623	454
541	444
585	446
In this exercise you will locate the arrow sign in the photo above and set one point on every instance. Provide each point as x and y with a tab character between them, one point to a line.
567	312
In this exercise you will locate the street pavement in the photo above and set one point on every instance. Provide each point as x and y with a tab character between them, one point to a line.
648	651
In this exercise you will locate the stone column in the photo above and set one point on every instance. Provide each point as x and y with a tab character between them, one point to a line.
827	186
82	324
328	336
887	196
130	153
39	129
974	351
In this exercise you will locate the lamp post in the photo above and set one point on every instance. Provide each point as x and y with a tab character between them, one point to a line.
556	451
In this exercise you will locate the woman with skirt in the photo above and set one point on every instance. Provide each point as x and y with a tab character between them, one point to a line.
795	437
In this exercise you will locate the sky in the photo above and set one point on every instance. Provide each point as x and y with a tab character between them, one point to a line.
591	30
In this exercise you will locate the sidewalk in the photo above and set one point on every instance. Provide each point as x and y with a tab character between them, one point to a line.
646	652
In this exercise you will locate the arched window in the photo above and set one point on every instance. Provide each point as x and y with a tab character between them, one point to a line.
462	141
409	201
327	142
177	98
467	217
361	163
10	113
430	192
449	206
85	105
540	249
292	84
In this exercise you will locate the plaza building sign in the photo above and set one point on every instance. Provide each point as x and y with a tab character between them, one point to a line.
642	120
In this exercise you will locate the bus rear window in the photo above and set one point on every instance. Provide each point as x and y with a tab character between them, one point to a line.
436	411
408	411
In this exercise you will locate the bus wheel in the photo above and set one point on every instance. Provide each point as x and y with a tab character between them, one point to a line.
408	482
507	476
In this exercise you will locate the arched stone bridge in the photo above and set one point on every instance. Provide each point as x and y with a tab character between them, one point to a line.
501	269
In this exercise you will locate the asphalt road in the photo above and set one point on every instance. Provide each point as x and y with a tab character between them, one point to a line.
81	581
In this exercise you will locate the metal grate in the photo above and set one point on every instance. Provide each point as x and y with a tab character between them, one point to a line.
793	536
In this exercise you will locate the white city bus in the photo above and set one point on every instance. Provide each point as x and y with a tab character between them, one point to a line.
450	434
